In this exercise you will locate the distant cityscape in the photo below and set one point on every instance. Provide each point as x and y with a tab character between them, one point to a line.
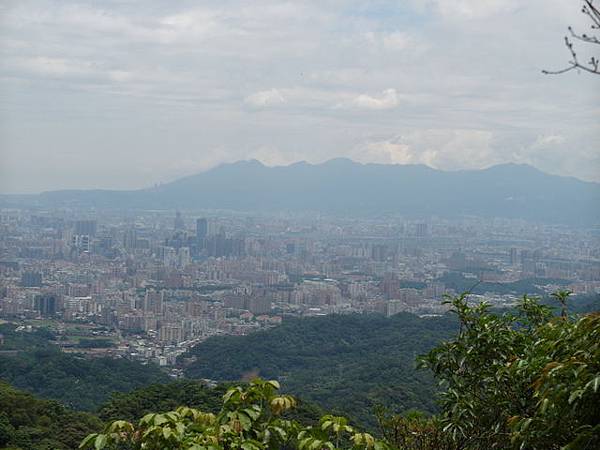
149	285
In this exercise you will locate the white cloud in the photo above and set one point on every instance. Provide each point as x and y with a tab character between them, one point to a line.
394	41
387	100
273	156
473	9
440	82
55	67
450	149
261	99
544	141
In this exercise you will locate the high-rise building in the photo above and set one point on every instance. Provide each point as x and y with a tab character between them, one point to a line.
130	239
45	304
170	333
179	223
81	242
154	301
183	257
169	257
395	306
259	305
379	252
201	228
513	256
87	227
31	279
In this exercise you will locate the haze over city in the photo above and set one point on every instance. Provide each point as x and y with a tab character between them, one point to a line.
123	95
300	225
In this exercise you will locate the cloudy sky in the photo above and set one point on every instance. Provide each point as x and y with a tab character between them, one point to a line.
125	93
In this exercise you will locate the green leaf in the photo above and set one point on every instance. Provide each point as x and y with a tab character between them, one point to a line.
250	446
159	419
252	413
594	384
88	440
575	395
275	384
100	442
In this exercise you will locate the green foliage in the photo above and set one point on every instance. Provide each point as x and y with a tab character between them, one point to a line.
35	339
95	343
527	380
33	424
413	430
584	303
457	282
132	406
80	383
250	418
347	364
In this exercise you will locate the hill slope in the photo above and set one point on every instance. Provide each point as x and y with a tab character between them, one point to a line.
342	186
41	368
347	364
134	405
30	423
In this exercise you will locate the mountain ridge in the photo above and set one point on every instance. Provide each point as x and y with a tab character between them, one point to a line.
342	186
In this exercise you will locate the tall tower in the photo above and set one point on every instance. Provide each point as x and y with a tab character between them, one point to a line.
45	304
422	230
86	227
201	229
179	224
513	256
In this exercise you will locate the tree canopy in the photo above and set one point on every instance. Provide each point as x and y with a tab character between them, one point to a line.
30	423
526	379
347	364
251	418
522	379
81	383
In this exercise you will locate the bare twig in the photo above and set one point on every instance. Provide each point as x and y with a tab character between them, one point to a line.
593	65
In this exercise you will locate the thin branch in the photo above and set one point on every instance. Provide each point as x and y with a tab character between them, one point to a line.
593	65
590	10
584	37
558	72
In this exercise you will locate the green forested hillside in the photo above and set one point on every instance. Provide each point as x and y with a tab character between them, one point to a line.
345	363
458	282
30	423
134	405
161	397
523	378
41	368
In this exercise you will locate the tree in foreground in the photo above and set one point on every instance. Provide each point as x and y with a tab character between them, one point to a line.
590	9
525	380
251	418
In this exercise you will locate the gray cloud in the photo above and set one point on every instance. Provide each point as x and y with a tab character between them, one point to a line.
128	93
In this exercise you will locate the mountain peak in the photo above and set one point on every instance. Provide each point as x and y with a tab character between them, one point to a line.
341	161
342	186
245	163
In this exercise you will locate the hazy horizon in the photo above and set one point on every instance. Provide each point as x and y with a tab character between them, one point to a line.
126	94
272	166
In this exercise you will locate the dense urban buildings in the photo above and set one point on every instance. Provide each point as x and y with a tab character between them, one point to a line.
149	284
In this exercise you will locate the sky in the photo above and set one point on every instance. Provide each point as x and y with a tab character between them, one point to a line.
124	94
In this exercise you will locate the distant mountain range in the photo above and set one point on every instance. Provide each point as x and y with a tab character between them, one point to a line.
341	186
